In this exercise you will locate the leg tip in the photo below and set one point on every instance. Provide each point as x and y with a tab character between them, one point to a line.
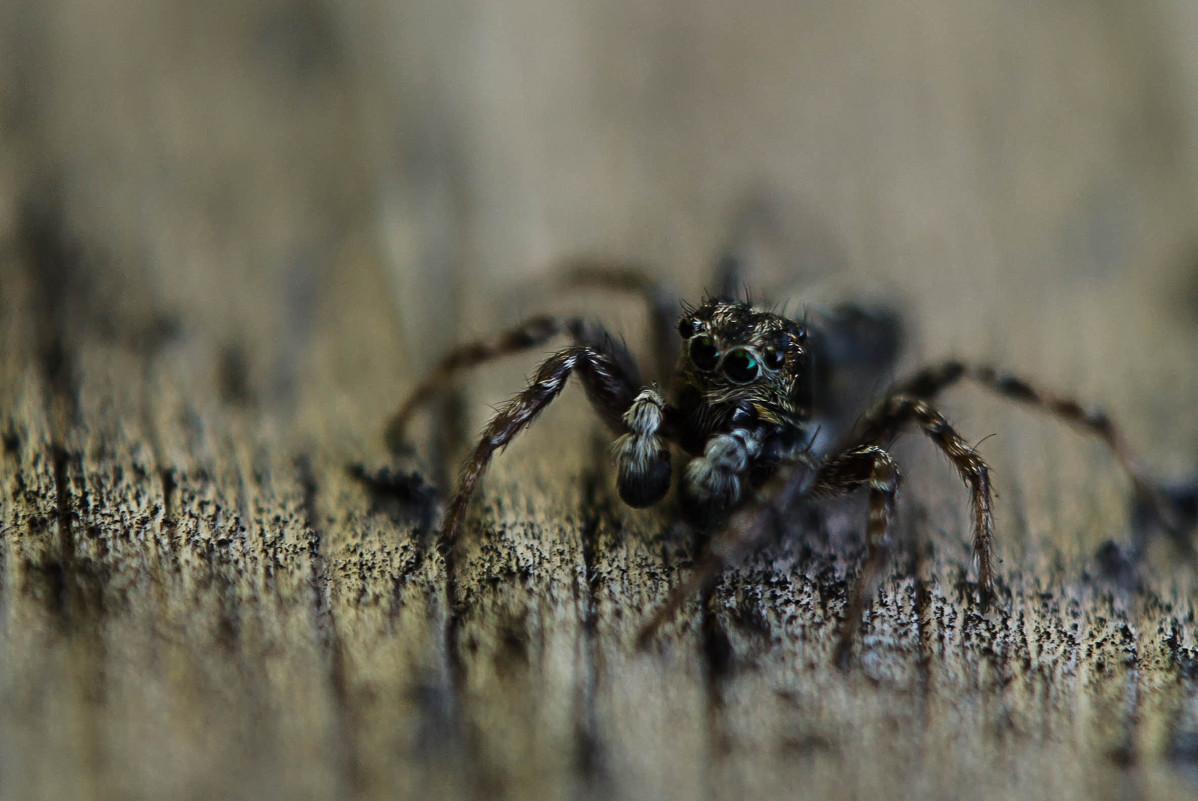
393	436
1170	509
842	655
985	594
641	643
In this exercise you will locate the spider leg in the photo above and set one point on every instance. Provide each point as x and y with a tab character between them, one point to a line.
643	453
715	481
752	525
607	384
748	529
883	425
630	277
532	332
873	467
930	381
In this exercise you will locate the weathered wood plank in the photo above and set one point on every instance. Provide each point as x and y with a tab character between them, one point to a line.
260	221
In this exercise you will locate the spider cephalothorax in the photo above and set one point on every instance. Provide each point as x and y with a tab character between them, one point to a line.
746	386
738	357
741	395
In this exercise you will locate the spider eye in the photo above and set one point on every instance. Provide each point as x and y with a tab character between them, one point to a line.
704	353
741	367
687	327
773	357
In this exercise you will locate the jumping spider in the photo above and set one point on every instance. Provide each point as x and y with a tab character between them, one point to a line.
741	404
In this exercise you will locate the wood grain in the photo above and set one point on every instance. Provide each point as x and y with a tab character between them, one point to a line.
233	235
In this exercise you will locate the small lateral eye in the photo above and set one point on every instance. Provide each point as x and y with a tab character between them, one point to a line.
703	352
773	357
740	366
688	327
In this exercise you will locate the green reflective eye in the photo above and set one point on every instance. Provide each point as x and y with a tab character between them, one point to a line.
740	366
704	353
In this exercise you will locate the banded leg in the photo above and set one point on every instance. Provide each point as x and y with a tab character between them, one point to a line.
929	382
749	528
608	386
532	332
715	481
634	278
643	454
873	467
883	425
752	525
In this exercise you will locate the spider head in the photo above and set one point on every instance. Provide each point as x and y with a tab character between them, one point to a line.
734	353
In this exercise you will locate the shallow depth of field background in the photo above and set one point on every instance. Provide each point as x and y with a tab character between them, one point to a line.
960	153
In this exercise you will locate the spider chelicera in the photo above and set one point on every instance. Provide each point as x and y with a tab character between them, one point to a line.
740	405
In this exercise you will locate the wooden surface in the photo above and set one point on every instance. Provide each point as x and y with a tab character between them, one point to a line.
234	234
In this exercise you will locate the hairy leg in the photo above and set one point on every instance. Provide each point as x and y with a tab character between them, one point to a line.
716	481
643	453
630	277
873	467
751	526
930	381
748	529
532	332
887	420
609	388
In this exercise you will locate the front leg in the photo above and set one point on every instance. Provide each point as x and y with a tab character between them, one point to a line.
606	384
635	278
748	529
716	481
643	454
532	332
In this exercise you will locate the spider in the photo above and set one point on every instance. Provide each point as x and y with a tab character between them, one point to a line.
742	405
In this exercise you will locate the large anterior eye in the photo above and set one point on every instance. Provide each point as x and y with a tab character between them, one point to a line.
704	353
687	327
740	366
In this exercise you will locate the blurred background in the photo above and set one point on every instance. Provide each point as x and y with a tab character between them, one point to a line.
242	160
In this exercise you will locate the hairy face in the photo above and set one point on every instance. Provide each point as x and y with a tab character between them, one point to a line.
734	353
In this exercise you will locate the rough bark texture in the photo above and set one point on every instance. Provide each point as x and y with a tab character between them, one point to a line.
235	233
